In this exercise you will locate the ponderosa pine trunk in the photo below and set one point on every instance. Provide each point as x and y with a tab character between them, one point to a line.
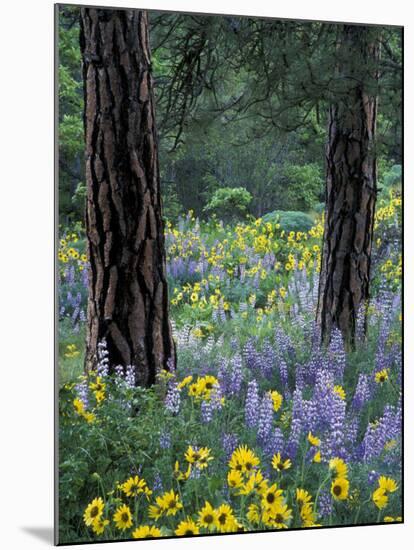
351	188
128	295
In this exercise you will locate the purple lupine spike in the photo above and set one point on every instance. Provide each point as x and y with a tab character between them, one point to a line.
251	410
229	442
173	398
296	425
362	393
265	419
325	504
206	412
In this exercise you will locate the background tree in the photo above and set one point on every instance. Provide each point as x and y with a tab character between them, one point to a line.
351	183
128	295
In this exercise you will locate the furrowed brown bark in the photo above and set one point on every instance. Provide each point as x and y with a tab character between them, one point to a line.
128	295
351	188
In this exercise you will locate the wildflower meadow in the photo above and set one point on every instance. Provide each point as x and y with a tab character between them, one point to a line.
258	428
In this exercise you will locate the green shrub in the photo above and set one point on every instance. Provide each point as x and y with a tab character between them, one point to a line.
229	203
290	220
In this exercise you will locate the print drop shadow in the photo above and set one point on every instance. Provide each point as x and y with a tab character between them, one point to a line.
42	533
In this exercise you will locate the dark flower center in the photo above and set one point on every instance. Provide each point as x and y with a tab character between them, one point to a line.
94	511
249	465
270	498
209	385
280	466
337	490
222	518
189	532
208	518
125	517
239	467
171	504
279	518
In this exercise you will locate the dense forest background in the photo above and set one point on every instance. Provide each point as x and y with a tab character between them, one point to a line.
236	138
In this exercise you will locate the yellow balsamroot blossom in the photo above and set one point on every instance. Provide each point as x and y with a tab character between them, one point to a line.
302	496
185	381
178	474
388	484
99	396
253	514
308	515
135	486
243	460
187	528
272	497
226	521
234	479
339	467
313	440
340	488
380	498
98	385
339	390
317	457
170	503
99	525
279	464
198	457
255	483
155	511
380	495
123	517
79	406
203	387
277	399
381	376
278	516
389	519
146	532
207	517
93	511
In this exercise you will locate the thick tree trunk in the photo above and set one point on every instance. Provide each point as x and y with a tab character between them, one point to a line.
350	189
128	295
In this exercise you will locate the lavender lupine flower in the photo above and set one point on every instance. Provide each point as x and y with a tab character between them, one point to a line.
378	434
173	398
268	360
206	412
236	375
251	356
165	440
119	375
157	485
275	442
373	477
283	371
362	393
103	361
325	504
82	390
251	409
296	425
334	446
265	419
229	443
130	376
336	354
